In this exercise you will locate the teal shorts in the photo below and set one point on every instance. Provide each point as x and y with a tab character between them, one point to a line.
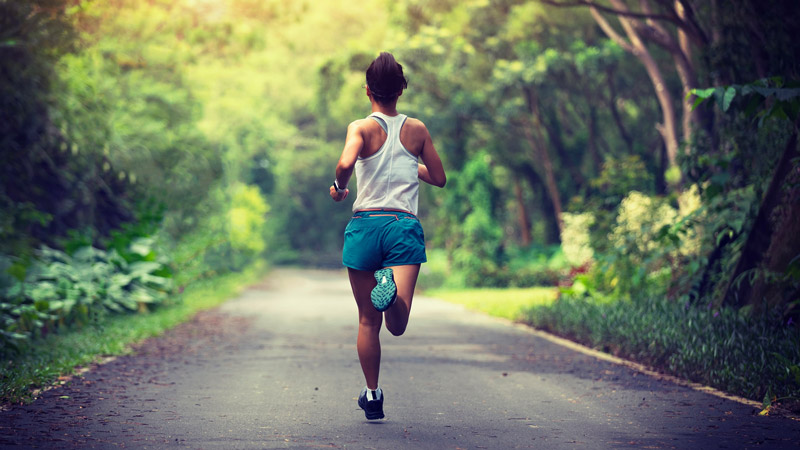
383	238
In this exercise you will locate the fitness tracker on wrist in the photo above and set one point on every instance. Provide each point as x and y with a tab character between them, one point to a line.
336	186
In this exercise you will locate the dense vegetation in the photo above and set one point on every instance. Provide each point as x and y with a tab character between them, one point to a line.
643	155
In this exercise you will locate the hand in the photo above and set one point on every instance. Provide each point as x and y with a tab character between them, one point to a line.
338	196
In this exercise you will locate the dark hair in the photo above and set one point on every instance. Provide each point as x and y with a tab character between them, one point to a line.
385	78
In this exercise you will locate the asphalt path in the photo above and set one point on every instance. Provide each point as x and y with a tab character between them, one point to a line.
276	367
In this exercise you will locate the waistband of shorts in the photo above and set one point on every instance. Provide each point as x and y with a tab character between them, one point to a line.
378	212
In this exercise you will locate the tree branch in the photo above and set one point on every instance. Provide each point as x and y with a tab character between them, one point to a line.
692	28
691	18
610	31
618	12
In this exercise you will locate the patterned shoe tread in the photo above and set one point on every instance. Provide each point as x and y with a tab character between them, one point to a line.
385	293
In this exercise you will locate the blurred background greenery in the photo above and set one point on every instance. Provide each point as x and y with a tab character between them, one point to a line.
639	156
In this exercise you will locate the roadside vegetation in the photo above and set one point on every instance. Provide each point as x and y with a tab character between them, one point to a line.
47	358
508	303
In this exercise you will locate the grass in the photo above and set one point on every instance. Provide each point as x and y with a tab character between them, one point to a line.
508	303
750	355
58	354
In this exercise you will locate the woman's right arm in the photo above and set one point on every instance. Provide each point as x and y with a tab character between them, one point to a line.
353	144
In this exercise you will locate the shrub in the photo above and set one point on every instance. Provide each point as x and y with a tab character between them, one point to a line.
58	289
722	347
575	238
246	219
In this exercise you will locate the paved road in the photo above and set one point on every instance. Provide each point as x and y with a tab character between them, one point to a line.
276	368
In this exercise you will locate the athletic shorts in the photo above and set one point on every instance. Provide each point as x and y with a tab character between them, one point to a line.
383	238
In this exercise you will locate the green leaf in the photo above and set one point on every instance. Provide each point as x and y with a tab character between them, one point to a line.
697	102
88	254
765	91
119	280
43	292
141	247
730	93
143	296
138	269
68	305
777	112
703	93
156	281
767	399
14	291
56	305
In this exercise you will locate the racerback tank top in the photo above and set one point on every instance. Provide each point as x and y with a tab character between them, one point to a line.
389	179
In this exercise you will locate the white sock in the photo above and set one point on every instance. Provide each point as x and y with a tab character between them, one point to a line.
373	395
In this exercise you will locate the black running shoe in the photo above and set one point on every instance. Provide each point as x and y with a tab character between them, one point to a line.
373	409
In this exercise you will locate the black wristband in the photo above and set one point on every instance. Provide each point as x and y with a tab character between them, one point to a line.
336	186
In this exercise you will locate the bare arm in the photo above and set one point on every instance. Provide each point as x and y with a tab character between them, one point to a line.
353	144
433	170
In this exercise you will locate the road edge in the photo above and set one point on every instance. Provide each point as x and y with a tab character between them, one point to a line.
641	368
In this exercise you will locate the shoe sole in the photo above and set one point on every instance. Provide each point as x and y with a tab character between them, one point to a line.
383	290
371	415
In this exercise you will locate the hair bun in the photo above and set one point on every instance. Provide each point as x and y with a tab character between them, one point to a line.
385	78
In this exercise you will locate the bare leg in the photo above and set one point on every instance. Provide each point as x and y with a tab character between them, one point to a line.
370	320
369	326
405	277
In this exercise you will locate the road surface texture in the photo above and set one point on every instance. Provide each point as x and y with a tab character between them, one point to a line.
276	367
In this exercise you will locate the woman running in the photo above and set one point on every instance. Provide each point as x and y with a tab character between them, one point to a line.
384	244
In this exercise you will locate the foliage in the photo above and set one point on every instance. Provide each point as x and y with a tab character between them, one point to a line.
765	99
576	244
59	289
507	303
49	183
246	220
474	244
519	268
720	347
57	354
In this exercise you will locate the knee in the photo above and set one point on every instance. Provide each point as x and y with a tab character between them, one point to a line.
370	323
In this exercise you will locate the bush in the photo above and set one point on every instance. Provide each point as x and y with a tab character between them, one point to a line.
533	266
575	238
58	289
246	225
722	347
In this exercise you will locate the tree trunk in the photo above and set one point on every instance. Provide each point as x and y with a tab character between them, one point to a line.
612	105
540	152
552	234
769	245
553	129
667	129
593	137
681	53
522	215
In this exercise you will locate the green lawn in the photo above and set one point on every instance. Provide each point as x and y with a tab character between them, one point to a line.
500	302
58	354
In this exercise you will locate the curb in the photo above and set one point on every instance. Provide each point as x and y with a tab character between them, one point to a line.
572	345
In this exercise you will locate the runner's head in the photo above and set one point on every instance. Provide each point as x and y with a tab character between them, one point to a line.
385	79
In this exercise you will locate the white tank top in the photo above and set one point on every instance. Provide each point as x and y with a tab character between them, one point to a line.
389	179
